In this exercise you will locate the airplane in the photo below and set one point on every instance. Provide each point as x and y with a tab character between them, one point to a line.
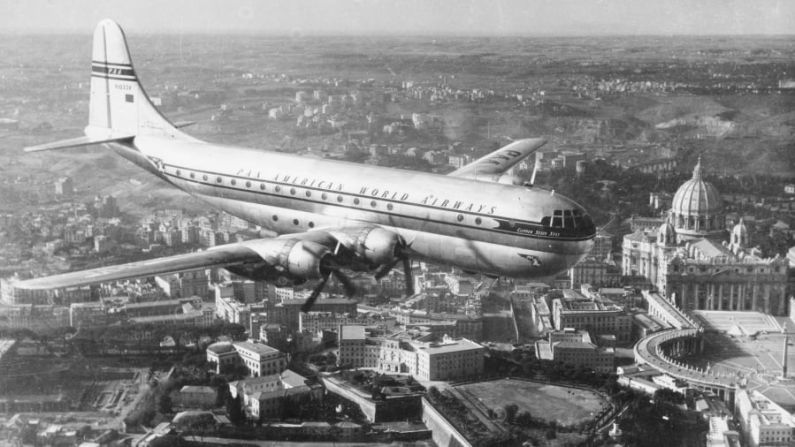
329	215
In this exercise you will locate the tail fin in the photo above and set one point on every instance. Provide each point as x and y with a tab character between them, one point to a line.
118	102
119	109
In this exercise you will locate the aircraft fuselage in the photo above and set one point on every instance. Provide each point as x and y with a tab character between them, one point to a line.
493	228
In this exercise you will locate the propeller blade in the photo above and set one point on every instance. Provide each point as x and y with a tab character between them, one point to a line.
408	276
385	269
307	306
350	288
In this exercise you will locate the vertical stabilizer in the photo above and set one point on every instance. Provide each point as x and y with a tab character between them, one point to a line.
118	102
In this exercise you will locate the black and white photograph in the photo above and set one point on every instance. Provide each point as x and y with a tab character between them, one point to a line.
419	223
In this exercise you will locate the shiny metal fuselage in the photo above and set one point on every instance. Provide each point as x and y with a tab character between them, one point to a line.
474	225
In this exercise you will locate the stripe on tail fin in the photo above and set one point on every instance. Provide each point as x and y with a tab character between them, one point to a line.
118	101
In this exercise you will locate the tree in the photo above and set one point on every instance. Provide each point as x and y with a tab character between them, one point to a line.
164	404
234	409
510	412
668	396
525	419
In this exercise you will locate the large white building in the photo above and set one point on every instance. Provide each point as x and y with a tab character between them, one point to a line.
764	423
449	359
265	397
260	359
688	260
593	314
576	348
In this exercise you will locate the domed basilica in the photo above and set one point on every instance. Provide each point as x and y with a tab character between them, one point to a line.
690	261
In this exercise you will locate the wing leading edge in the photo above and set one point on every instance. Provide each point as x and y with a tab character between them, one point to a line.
222	256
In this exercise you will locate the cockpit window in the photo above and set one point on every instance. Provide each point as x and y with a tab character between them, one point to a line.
570	220
557	219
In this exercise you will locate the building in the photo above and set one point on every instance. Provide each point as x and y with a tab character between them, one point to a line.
591	314
464	326
64	186
34	317
576	348
191	396
266	397
169	284
719	434
260	359
287	312
596	271
685	260
763	422
179	312
449	360
230	309
317	322
671	383
460	285
194	283
223	355
351	342
6	351
87	315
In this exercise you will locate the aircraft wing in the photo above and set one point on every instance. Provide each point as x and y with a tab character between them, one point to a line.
221	256
500	160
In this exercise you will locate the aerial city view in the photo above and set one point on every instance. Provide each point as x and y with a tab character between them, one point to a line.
397	224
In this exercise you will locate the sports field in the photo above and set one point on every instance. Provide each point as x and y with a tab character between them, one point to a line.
551	402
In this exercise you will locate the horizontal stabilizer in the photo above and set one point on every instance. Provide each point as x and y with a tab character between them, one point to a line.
79	142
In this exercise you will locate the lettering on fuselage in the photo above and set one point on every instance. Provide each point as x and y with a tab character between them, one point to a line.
379	193
306	181
504	225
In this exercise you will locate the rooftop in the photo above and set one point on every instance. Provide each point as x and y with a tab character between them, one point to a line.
221	347
259	348
352	333
300	302
197	389
459	345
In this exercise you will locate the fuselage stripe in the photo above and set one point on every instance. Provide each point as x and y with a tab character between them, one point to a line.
372	210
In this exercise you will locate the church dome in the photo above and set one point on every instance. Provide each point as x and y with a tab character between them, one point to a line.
697	208
666	235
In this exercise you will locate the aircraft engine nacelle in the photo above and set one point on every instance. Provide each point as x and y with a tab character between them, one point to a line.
305	260
380	246
285	259
372	246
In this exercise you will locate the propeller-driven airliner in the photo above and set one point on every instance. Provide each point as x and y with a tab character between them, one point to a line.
329	216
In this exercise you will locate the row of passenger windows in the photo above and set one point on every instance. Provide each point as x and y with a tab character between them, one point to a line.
293	191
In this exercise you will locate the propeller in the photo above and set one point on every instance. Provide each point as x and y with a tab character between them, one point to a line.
328	267
401	254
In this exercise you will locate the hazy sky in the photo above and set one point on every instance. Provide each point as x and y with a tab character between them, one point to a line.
498	17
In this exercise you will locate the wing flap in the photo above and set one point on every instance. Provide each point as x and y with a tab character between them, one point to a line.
500	160
222	256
